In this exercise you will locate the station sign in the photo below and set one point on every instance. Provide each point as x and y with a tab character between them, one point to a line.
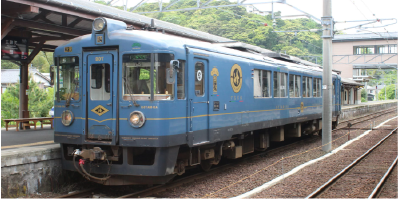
14	48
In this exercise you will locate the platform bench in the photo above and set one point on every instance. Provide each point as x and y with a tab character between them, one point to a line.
42	120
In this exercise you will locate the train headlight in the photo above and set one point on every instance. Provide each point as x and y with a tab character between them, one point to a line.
99	24
137	119
67	118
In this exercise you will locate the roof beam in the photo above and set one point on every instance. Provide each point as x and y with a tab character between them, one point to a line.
75	22
50	27
49	38
7	27
64	9
43	47
13	9
35	51
42	14
64	20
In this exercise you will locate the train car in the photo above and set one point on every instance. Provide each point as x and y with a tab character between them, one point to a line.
139	107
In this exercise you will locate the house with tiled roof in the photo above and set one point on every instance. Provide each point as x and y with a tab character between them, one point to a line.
10	77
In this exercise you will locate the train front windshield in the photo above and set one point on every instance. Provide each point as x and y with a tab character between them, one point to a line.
137	76
68	79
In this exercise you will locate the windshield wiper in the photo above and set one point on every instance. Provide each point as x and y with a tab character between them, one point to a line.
76	83
127	84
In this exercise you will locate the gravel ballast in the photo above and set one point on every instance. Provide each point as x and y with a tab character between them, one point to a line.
256	171
310	178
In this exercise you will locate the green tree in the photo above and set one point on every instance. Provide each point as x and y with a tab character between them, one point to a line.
390	92
237	24
40	101
364	96
5	64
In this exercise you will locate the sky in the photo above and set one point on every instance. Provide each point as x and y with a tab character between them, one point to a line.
342	10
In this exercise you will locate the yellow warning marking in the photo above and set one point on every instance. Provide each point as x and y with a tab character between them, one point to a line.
29	144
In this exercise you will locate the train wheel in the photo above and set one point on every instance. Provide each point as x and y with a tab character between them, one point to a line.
206	164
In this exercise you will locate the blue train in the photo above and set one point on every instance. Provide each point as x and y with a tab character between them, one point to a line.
139	107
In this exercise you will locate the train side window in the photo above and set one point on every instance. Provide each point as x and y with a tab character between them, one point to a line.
276	80
307	86
181	80
283	84
317	87
261	83
294	85
280	83
199	79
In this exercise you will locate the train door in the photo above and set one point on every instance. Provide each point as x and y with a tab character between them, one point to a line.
199	99
101	97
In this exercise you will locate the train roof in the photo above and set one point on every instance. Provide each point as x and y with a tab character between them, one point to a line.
166	41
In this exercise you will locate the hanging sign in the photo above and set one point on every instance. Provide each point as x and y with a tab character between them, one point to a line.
14	48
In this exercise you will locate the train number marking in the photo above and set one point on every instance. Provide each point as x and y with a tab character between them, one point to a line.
68	49
149	107
99	58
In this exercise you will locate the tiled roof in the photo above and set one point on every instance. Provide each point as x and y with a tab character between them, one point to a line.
9	76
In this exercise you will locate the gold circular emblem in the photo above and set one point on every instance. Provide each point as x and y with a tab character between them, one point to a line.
236	78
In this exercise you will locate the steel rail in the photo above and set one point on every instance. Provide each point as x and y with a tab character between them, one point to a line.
193	177
342	172
377	189
370	114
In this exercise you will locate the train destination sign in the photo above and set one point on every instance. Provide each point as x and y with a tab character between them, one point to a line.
14	48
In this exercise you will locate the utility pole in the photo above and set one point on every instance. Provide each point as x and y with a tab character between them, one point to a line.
327	25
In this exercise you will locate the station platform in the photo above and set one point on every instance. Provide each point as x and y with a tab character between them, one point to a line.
29	137
372	103
351	111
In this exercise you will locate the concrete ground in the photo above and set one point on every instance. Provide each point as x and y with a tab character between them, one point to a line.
29	137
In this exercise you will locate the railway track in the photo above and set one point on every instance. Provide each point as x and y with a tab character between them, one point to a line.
331	185
370	115
88	193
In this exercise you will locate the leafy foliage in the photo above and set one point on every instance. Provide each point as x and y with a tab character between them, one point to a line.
42	62
40	101
390	92
364	96
237	24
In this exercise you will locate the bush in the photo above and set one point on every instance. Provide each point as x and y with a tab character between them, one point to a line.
40	101
390	92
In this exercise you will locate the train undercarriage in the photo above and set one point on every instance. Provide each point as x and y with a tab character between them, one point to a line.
117	165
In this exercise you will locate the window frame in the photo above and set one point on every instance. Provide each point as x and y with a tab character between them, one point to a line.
317	84
294	86
103	81
278	86
152	75
261	78
203	79
56	83
184	83
308	82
